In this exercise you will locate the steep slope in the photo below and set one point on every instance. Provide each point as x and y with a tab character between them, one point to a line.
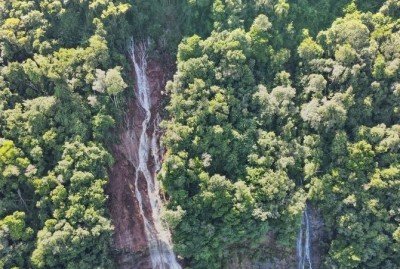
140	237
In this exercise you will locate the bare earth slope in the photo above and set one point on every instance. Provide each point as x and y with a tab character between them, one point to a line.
129	235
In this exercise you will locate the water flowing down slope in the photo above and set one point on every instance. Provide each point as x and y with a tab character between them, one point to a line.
304	242
158	236
140	240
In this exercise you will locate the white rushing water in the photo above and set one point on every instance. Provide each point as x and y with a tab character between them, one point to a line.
304	242
158	236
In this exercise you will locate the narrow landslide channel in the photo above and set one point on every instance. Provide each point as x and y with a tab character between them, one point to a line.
139	239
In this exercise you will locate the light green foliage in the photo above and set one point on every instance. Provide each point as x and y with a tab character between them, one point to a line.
351	104
309	49
16	237
15	226
73	207
219	168
365	184
12	164
22	29
110	81
15	240
352	48
262	118
52	161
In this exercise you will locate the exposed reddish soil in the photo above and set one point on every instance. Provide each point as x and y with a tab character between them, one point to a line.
129	240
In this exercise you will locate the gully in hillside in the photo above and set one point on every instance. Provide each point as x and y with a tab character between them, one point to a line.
304	242
158	236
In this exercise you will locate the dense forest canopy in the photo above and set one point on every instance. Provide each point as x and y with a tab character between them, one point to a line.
274	104
264	117
61	84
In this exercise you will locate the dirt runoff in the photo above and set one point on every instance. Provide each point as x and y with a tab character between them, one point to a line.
129	239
